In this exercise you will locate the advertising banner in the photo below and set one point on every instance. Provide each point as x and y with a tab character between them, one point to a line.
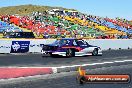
20	46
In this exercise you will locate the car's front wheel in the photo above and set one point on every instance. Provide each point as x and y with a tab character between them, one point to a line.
95	52
70	53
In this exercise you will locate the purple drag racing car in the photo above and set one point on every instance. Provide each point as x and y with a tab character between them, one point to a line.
71	47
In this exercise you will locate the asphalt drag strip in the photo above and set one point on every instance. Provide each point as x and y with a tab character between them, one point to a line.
36	60
68	79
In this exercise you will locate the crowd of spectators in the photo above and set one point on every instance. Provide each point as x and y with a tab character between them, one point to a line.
43	23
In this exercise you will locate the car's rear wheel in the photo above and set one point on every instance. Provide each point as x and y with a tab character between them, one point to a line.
42	52
70	53
95	52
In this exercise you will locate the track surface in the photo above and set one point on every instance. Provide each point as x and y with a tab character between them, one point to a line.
37	60
68	80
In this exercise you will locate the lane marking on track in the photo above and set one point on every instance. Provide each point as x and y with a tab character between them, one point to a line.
111	62
55	69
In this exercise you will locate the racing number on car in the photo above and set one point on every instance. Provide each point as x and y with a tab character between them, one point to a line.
67	42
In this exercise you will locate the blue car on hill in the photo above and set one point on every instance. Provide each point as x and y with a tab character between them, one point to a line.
71	47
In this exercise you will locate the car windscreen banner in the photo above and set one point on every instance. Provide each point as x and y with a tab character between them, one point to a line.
20	46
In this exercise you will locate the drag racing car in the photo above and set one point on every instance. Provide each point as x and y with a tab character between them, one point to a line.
71	47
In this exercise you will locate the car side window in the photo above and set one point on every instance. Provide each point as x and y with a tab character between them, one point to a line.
64	42
82	43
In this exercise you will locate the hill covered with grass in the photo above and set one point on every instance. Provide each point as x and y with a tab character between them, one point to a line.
25	9
130	22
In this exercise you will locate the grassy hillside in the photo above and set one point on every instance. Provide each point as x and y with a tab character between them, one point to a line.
25	9
130	22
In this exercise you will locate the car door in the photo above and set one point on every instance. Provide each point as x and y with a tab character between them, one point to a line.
86	48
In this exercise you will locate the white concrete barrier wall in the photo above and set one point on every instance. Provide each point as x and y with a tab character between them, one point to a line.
34	46
113	43
5	46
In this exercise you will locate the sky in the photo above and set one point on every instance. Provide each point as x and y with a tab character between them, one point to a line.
103	8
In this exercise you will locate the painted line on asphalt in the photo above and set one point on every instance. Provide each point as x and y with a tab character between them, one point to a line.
55	69
111	62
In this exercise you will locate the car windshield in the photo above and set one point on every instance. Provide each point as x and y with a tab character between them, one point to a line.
60	42
82	43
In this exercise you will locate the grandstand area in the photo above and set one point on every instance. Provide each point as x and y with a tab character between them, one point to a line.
58	23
